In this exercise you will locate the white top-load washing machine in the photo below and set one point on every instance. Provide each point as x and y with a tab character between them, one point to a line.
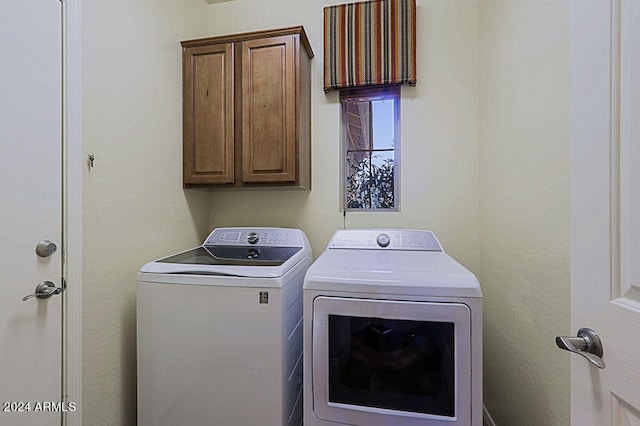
219	331
393	332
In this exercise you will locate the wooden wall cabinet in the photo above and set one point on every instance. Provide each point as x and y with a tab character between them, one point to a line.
247	110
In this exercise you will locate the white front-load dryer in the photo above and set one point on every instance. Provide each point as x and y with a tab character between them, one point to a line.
392	333
219	331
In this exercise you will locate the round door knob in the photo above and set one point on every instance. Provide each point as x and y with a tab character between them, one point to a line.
383	240
46	248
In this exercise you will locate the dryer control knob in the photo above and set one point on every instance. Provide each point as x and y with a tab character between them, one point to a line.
252	238
383	240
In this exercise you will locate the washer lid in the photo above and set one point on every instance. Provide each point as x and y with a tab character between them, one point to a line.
236	256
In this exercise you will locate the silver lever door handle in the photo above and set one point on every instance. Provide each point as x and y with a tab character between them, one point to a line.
587	344
44	290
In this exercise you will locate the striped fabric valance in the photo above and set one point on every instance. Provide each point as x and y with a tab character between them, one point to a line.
369	43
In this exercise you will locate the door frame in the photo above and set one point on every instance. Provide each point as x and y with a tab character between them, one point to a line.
72	170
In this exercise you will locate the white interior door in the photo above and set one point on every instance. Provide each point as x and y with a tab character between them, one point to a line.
605	256
30	194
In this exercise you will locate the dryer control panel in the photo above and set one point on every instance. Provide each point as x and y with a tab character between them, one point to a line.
385	239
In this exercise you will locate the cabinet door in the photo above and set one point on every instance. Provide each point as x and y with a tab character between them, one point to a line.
208	114
269	110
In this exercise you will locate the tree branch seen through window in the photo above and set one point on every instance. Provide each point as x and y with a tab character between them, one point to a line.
371	151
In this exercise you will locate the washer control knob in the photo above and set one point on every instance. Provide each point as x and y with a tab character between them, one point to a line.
383	240
252	238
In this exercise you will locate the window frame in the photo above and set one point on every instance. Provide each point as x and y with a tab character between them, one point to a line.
362	94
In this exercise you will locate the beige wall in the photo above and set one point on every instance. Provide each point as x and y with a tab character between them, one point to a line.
524	208
438	133
134	207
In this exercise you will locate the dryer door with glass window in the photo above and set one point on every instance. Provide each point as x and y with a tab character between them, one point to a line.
380	360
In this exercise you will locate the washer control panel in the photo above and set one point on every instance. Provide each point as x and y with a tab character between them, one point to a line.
261	237
385	239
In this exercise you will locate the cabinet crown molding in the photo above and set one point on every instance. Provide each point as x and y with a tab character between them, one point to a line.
231	38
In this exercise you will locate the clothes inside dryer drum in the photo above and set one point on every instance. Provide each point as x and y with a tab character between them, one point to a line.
374	360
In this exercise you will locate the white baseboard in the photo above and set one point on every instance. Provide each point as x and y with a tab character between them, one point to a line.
487	420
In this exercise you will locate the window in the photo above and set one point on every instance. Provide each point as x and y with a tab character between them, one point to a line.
371	128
